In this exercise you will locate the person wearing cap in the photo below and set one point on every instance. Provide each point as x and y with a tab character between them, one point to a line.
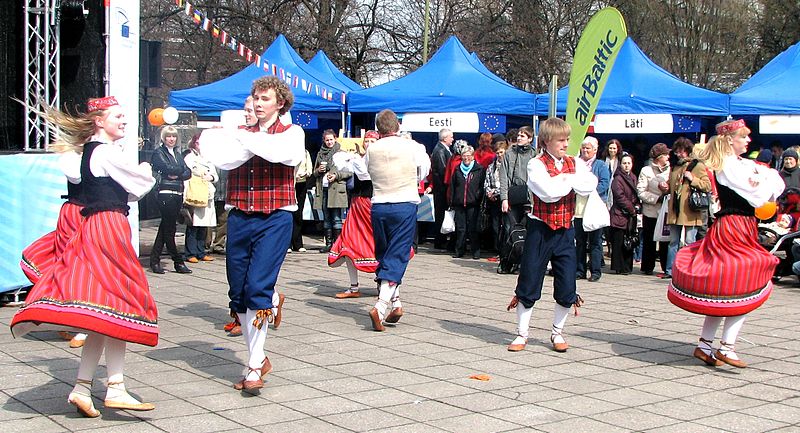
261	161
395	165
355	247
790	172
97	285
728	273
653	188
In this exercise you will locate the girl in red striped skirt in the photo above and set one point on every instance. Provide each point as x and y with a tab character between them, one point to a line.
40	255
97	284
728	274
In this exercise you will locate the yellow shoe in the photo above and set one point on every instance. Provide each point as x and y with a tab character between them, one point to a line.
192	260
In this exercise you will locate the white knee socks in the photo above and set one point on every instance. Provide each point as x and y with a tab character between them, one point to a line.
396	298
523	320
352	272
730	331
385	295
560	314
90	358
276	299
255	343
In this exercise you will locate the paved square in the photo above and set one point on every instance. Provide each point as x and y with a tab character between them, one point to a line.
629	367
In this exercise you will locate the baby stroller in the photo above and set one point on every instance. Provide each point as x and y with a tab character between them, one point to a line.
778	236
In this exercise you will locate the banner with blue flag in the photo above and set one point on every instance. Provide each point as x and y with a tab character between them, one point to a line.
492	123
683	123
304	119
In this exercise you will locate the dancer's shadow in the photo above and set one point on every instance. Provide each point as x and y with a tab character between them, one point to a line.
218	362
52	395
659	351
213	314
486	333
353	308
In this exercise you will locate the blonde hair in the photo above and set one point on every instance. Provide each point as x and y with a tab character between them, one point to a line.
71	131
719	146
552	128
168	130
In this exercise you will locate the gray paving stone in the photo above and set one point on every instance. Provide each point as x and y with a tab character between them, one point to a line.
327	405
257	416
207	422
741	422
33	425
474	422
368	419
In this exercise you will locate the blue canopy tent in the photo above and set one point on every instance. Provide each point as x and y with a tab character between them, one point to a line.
449	82
639	86
323	64
772	90
229	93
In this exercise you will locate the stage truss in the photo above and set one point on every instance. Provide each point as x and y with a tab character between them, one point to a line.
43	67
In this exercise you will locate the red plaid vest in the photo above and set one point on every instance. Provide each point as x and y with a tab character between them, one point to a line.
259	185
559	214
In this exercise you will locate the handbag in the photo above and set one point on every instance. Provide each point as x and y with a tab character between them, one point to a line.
518	194
595	213
449	222
661	232
630	239
698	200
196	194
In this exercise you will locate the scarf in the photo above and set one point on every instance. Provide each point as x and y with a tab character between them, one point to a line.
465	169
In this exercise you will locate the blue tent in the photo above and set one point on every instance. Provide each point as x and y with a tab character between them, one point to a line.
449	82
230	93
323	64
772	90
639	86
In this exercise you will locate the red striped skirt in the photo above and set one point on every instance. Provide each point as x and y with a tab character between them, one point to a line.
97	285
356	241
725	274
39	256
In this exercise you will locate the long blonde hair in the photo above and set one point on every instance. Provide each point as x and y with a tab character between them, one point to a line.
719	146
71	131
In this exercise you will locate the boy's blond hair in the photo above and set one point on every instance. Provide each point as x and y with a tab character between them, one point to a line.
553	128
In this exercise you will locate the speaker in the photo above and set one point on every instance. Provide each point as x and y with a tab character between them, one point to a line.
150	63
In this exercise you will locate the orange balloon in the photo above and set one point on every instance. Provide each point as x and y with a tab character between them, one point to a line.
767	210
156	117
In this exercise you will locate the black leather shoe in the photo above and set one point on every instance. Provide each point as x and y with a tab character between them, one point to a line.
595	277
157	268
580	276
182	269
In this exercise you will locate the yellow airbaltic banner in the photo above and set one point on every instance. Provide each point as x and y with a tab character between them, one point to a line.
597	50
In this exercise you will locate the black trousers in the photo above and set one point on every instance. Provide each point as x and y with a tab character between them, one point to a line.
621	259
300	189
169	205
649	246
466	219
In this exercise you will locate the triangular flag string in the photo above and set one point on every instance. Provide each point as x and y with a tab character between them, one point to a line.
227	40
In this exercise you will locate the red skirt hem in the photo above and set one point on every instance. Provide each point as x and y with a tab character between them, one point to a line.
41	315
718	308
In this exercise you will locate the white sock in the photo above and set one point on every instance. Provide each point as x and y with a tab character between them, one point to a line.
90	357
276	299
255	343
710	325
560	314
385	295
79	337
245	330
523	320
352	272
115	365
396	298
730	331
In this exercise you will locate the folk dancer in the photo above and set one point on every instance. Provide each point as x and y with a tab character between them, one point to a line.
396	166
97	285
728	274
261	162
553	179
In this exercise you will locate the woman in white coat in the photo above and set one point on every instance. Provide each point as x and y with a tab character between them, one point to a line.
203	217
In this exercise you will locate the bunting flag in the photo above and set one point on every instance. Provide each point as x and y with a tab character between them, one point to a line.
226	40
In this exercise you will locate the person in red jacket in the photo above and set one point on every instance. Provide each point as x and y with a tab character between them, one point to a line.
485	153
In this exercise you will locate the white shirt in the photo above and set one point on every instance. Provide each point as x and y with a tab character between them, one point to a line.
755	183
108	160
351	163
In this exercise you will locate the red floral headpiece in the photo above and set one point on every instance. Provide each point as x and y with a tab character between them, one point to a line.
96	104
372	134
730	127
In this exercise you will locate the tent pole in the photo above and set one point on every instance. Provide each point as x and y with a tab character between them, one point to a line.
349	124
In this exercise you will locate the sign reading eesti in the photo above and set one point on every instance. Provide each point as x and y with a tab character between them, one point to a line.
597	50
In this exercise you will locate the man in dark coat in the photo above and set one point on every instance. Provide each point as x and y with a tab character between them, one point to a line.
441	154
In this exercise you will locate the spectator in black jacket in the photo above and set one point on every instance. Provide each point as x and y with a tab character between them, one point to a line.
168	163
466	196
441	154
